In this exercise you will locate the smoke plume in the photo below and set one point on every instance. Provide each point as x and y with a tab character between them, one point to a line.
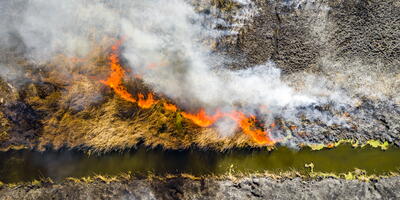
167	43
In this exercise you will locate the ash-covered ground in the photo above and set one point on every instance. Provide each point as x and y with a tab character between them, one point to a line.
352	43
210	188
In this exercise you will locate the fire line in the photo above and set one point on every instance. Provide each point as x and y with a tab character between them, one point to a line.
201	118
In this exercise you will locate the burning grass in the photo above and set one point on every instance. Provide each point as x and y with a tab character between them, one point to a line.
74	109
94	103
117	124
201	118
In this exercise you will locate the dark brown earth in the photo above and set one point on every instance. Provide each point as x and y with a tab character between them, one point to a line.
210	188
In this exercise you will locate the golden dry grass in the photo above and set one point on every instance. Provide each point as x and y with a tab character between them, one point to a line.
104	128
79	111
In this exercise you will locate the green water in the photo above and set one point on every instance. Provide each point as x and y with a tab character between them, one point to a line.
16	166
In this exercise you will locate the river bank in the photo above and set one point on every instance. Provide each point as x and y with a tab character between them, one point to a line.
26	166
250	187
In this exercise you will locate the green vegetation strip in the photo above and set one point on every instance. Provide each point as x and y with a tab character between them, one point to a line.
24	165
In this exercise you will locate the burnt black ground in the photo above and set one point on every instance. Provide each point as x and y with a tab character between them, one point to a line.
183	188
357	38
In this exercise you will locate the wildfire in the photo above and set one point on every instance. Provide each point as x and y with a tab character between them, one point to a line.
114	81
146	103
170	107
117	73
247	125
201	118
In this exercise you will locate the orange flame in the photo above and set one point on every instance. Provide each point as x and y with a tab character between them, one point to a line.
201	118
146	103
170	107
247	124
115	81
258	135
117	73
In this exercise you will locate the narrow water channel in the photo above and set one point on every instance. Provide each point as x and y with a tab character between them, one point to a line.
23	165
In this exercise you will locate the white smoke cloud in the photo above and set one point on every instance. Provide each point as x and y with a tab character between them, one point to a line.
188	72
64	27
165	42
